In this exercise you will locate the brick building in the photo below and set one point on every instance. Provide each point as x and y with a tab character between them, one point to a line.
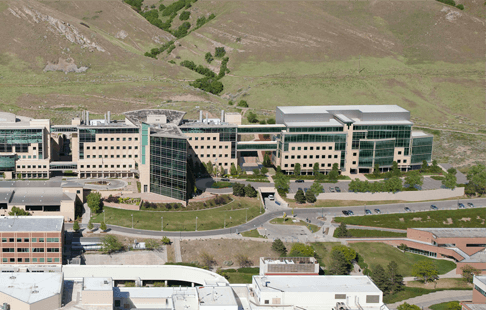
31	240
479	295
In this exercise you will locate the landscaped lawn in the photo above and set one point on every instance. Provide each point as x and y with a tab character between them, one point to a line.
241	275
447	218
366	233
323	250
441	306
337	203
252	234
288	221
234	212
375	253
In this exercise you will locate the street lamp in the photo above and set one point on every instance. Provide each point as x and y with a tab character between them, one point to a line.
132	221
196	223
162	224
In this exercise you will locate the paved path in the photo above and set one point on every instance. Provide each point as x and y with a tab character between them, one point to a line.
435	298
86	214
300	213
374	228
177	250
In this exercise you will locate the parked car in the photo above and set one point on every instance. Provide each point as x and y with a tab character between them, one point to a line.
377	211
271	197
434	207
299	181
408	209
368	211
470	205
338	189
345	212
225	180
461	205
331	189
350	212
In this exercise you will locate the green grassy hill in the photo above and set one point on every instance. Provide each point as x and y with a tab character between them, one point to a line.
425	56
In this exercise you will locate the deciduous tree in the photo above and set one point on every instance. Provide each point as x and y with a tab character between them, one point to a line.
233	170
334	173
425	270
406	306
414	178
297	169
111	244
468	273
279	247
239	189
301	250
316	188
450	179
250	191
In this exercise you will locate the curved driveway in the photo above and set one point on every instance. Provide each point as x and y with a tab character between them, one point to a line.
302	213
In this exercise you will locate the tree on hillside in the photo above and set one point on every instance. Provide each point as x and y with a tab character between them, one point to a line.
239	189
406	306
243	260
233	170
111	244
316	188
425	270
209	58
477	178
468	273
219	52
338	265
250	191
310	197
299	196
334	173
379	277
243	104
450	179
279	247
342	231
297	169
349	253
251	117
414	178
395	279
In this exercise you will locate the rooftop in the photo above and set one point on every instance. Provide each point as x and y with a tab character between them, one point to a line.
289	260
456	232
330	284
36	196
31	223
167	130
140	116
31	287
97	284
481	279
216	296
335	109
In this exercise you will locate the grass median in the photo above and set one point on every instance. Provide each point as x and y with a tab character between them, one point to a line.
289	221
368	233
235	213
468	218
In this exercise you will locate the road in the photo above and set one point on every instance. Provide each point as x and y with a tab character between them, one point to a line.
301	213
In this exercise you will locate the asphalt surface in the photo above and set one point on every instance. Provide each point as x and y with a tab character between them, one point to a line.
311	213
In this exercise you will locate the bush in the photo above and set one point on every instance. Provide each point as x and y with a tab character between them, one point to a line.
208	84
252	117
219	52
209	57
182	30
200	21
161	7
185	15
223	69
460	7
448	2
174	7
76	226
165	240
243	104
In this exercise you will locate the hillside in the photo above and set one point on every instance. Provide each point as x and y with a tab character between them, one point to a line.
425	56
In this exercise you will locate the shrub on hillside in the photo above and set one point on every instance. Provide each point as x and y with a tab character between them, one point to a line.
185	15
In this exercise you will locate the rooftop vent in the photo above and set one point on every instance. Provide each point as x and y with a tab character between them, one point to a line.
106	282
12	277
35	292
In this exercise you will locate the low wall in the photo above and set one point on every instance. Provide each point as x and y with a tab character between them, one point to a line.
122	206
106	194
433	194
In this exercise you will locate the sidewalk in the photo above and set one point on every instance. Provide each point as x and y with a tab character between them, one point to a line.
435	298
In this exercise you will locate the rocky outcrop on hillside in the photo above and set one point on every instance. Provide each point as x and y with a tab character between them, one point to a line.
65	65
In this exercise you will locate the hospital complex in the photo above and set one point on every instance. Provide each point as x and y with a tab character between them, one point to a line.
165	150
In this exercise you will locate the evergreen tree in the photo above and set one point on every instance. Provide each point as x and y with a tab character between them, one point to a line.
379	277
310	197
338	264
299	196
297	169
395	279
376	170
233	170
395	171
266	160
342	231
221	171
315	169
90	225
279	247
209	167
239	189
425	166
239	170
76	226
334	174
450	180
316	187
250	191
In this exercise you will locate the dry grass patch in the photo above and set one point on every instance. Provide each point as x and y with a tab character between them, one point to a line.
441	283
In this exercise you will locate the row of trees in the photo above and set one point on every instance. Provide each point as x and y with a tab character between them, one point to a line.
388	280
394	184
242	190
477	180
332	176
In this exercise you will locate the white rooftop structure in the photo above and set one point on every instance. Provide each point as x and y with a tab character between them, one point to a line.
31	287
31	223
215	297
97	284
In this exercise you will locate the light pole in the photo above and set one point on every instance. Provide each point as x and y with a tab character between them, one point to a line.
132	221
246	215
162	225
196	223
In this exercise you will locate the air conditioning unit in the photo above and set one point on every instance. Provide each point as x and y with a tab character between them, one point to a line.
5	306
341	306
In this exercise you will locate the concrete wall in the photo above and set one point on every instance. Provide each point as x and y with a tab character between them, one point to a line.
14	303
406	196
53	302
122	206
97	297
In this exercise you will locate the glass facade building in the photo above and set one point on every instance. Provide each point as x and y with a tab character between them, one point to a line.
21	139
168	167
421	149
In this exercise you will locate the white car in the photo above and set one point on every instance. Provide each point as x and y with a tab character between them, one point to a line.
271	197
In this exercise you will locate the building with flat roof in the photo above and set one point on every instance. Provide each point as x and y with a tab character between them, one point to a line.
289	266
311	292
167	151
31	291
31	240
478	301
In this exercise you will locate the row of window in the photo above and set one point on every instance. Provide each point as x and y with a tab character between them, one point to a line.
311	148
29	157
33	166
111	147
31	240
202	138
209	146
310	156
112	156
27	260
117	139
209	155
34	250
310	165
106	166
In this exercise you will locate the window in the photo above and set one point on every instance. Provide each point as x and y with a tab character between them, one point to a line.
329	156
267	302
34	239
4	260
404	161
214	146
34	260
117	139
56	260
52	239
27	260
372	299
318	148
117	303
220	146
335	156
323	148
292	157
354	163
292	165
41	260
340	296
225	146
214	138
305	156
317	156
19	260
330	148
286	156
112	147
23	250
99	139
11	240
7	250
293	148
311	148
298	156
305	165
4	239
286	165
311	156
305	148
399	161
49	260
323	165
112	139
38	250
399	152
12	260
41	239
329	165
298	148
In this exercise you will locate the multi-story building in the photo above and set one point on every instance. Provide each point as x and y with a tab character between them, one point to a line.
31	240
166	151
